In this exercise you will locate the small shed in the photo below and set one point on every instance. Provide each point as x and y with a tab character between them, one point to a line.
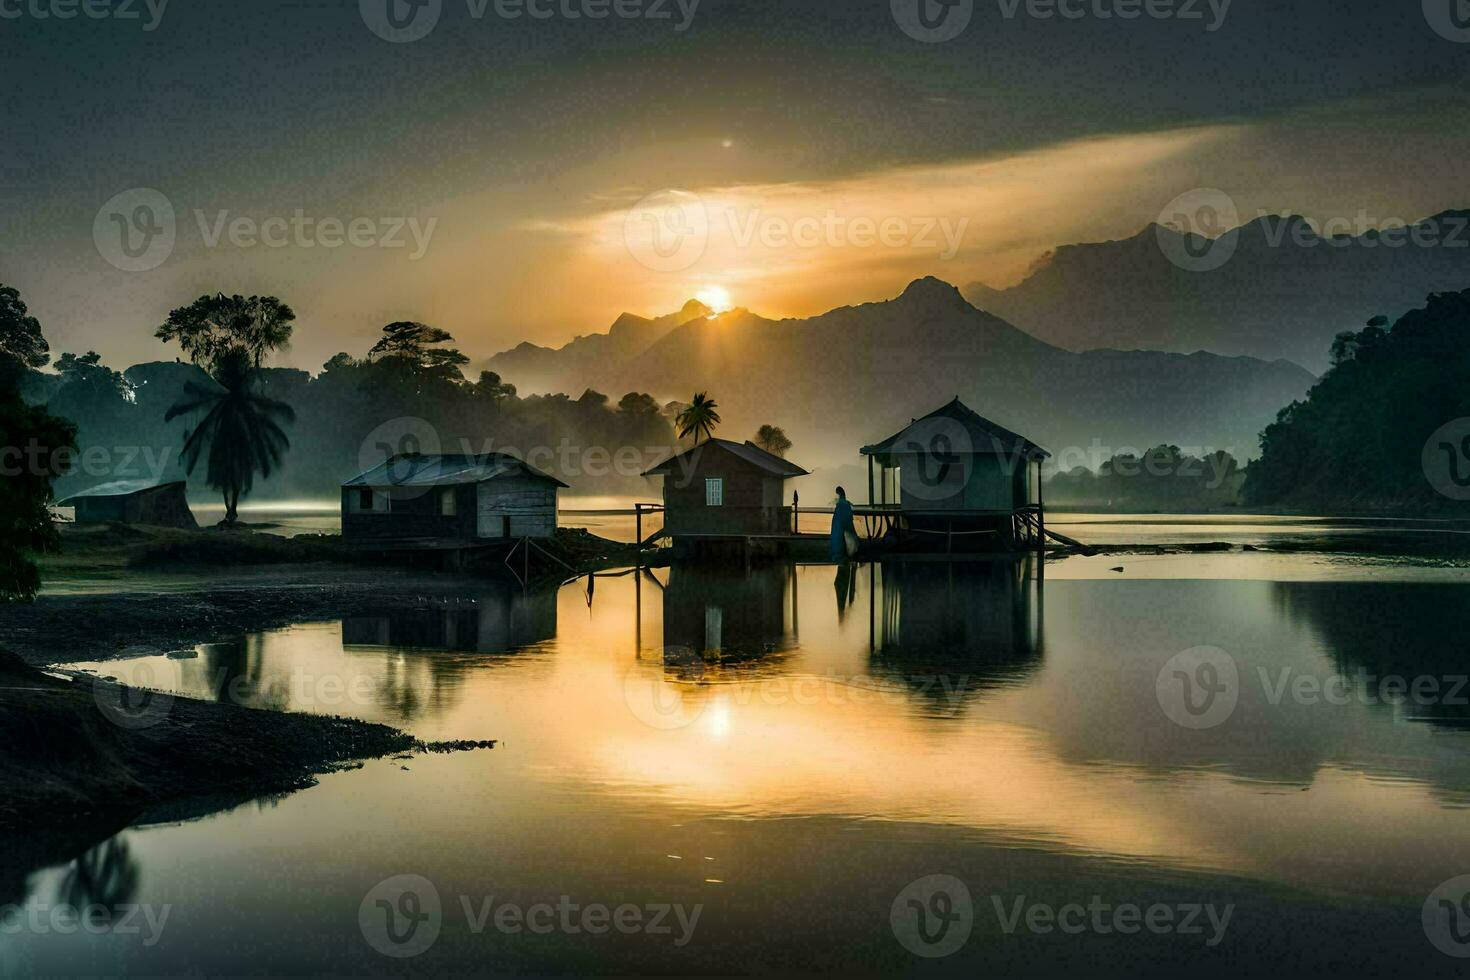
722	488
133	502
449	500
955	471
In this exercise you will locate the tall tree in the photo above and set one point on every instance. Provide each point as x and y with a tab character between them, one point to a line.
408	360
412	341
242	429
211	326
772	438
36	443
700	417
21	344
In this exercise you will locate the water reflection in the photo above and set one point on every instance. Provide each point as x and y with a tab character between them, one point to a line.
722	613
399	667
107	875
971	627
857	728
1400	648
500	620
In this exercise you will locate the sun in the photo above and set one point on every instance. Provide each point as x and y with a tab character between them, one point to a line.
717	298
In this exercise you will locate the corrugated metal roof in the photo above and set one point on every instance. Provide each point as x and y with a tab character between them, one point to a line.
985	436
747	451
444	469
117	488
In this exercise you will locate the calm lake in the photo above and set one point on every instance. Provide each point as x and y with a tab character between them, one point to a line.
1203	763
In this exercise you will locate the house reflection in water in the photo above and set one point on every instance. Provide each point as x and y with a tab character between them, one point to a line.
726	613
497	621
952	628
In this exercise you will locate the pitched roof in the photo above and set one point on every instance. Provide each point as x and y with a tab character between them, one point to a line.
444	469
117	488
985	436
747	451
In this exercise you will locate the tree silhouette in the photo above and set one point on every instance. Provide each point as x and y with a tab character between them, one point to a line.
212	326
772	438
241	427
700	417
21	343
1359	438
40	438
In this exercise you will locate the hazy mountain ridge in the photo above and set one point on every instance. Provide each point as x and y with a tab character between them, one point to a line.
544	370
854	374
1285	292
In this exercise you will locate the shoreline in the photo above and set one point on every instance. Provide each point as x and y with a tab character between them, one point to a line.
85	758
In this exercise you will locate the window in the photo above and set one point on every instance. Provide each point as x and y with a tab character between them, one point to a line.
446	502
714	492
364	499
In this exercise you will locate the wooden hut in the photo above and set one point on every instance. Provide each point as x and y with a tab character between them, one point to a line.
959	481
726	489
448	501
133	502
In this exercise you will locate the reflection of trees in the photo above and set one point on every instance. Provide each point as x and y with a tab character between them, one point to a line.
237	673
426	648
106	875
501	620
1377	630
951	631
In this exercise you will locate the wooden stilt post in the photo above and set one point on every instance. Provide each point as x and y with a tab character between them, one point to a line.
1040	512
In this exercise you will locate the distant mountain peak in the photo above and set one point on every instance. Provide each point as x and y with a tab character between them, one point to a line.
1275	287
694	308
933	293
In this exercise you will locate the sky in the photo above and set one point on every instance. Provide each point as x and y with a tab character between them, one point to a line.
514	177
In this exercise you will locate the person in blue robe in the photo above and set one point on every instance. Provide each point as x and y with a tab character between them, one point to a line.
841	527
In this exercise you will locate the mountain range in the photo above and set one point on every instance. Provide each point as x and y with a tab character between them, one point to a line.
574	367
856	374
1283	292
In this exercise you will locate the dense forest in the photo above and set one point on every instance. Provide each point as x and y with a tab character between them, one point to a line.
1388	425
407	394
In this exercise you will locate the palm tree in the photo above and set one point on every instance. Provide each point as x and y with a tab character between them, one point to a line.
241	426
772	438
700	417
